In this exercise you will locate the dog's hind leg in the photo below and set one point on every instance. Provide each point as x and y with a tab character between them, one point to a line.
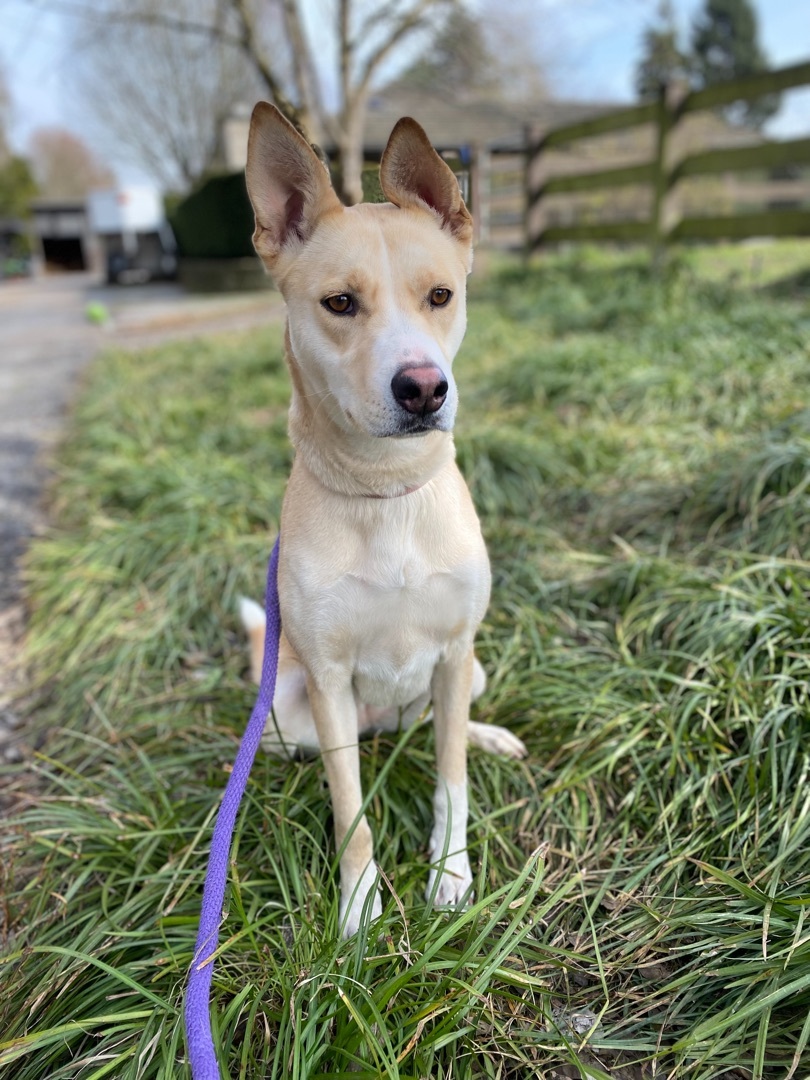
495	740
491	738
290	728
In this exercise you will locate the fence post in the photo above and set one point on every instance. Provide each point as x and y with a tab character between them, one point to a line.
480	189
534	212
663	215
657	235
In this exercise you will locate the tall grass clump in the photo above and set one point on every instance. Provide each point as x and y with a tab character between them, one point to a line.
638	448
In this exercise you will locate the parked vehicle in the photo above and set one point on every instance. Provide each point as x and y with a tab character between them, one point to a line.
137	241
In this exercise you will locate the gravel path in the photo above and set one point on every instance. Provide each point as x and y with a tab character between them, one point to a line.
46	342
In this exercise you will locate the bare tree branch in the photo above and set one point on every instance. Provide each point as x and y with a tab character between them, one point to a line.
249	43
346	49
246	39
161	95
290	73
304	74
147	18
411	19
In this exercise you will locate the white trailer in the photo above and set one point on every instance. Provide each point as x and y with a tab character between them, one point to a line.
137	241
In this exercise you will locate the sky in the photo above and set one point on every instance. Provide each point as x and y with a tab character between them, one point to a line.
590	49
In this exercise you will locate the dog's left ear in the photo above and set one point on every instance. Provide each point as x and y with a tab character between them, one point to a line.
413	174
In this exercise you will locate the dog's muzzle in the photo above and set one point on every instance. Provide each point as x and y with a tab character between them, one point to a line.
420	391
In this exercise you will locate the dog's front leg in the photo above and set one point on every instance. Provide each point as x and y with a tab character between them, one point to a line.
451	686
335	714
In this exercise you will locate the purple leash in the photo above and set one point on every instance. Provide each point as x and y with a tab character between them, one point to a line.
201	1053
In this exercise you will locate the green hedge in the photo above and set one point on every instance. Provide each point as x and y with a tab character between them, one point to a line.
216	220
372	192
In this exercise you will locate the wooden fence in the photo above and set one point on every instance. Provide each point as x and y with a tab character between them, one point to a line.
663	223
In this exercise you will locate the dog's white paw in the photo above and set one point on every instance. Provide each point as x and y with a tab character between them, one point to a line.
496	740
454	886
353	901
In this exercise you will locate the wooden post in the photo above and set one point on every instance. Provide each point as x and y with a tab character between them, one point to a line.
483	193
657	236
664	211
661	175
534	211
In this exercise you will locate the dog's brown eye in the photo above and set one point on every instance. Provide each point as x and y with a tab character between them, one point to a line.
439	297
341	304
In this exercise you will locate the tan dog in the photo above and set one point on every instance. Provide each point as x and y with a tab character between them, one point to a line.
383	574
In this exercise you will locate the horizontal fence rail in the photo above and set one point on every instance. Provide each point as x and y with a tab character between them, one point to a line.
659	177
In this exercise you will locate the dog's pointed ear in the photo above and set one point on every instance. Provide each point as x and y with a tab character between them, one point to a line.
413	174
288	185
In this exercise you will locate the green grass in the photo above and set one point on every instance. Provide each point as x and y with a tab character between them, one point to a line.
638	450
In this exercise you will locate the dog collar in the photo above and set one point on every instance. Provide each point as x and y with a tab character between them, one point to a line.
362	494
399	494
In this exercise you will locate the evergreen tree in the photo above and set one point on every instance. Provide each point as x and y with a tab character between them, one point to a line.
457	62
480	56
5	117
662	61
17	187
17	184
725	46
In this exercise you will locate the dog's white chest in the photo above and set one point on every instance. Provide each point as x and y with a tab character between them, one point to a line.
392	615
404	614
391	563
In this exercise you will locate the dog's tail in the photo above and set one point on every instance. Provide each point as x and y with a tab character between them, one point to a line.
254	621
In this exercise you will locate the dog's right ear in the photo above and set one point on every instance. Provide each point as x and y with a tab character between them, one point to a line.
288	185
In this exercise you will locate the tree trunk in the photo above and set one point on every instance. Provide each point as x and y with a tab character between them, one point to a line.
349	180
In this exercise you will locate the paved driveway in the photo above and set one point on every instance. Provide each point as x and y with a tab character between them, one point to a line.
46	341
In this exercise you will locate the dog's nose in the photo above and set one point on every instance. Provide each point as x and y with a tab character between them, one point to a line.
420	390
